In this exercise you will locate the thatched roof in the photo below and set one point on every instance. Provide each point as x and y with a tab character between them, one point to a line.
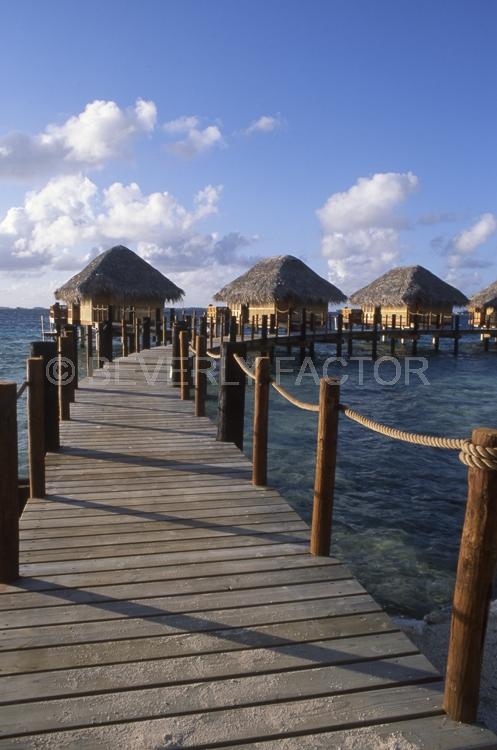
120	276
485	297
283	278
409	285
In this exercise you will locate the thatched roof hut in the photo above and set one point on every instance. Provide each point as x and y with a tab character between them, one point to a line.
118	277
281	278
412	286
483	306
407	291
485	298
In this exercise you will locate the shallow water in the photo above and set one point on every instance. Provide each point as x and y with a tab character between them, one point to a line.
398	508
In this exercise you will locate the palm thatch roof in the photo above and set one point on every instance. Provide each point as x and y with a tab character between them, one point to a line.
119	275
485	297
414	286
281	278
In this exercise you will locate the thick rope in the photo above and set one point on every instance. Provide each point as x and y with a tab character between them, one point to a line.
243	367
474	456
22	389
213	355
295	401
433	441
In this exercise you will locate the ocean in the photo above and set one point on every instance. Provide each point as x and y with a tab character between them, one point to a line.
399	508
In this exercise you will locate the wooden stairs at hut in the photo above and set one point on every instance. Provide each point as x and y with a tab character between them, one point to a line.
166	602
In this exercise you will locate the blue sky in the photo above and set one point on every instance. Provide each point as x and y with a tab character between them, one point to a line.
376	147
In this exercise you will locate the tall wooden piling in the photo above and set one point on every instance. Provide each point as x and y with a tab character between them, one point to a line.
124	337
184	359
48	351
146	333
231	403
36	427
89	350
260	423
476	571
324	482
200	375
175	355
65	377
339	334
9	499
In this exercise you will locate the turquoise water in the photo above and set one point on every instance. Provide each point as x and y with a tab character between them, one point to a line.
398	508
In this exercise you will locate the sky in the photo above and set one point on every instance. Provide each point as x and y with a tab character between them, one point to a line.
357	135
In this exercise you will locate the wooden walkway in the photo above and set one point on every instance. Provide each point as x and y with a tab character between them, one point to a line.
167	603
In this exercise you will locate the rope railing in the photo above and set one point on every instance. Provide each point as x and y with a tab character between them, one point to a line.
21	389
304	405
243	367
213	355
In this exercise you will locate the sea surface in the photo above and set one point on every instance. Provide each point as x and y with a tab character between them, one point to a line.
399	508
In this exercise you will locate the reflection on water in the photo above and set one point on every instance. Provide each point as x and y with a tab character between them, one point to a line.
398	508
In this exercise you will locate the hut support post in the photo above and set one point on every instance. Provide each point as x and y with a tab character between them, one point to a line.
474	580
175	363
303	332
9	494
48	351
124	337
36	427
324	483
100	345
456	334
146	333
231	404
392	339
232	328
260	424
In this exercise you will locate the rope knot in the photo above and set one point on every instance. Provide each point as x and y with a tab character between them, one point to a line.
477	456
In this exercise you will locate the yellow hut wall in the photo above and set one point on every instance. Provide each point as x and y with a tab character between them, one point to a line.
480	315
405	314
95	310
281	310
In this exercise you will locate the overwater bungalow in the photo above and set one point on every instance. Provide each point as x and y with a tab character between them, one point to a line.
276	285
118	278
483	306
408	292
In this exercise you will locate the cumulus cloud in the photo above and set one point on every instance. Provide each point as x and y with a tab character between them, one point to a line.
264	124
360	227
196	140
60	227
102	132
461	250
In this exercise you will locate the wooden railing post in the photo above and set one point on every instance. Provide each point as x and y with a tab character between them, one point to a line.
124	337
232	328
339	334
65	377
175	355
100	345
474	580
89	350
48	350
137	335
231	404
200	376
184	357
36	427
260	424
9	497
146	333
72	363
324	483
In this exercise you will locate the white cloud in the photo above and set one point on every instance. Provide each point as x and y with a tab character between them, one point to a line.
461	250
60	227
265	124
360	227
103	131
196	141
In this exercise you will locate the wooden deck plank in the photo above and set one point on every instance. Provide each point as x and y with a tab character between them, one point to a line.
165	601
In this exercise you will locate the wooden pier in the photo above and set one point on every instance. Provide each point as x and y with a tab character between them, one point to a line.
167	602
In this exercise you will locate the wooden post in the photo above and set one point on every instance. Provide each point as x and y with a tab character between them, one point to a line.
36	427
200	376
474	580
109	333
456	335
392	340
89	350
48	350
272	323
100	345
164	330
211	331
260	424
289	322
374	340
184	357
252	329
137	335
124	337
175	355
415	336
146	333
339	334
350	338
158	321
303	332
65	347
9	498
68	331
232	329
324	483
264	327
231	404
